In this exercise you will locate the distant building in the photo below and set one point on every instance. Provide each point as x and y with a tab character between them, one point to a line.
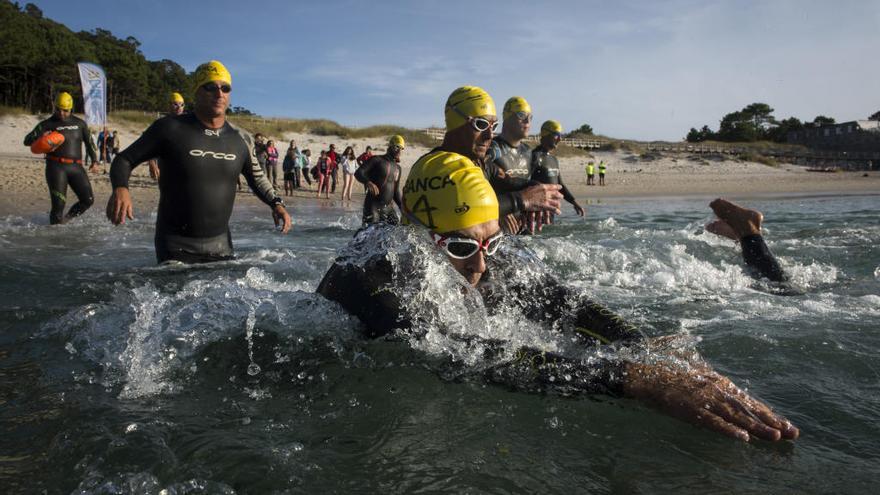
858	135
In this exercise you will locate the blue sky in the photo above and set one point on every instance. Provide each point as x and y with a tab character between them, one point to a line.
638	70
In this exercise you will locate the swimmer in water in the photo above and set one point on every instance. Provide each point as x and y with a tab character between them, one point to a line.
381	176
449	199
545	166
64	165
201	156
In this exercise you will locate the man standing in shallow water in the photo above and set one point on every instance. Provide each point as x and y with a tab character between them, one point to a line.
380	175
64	165
200	157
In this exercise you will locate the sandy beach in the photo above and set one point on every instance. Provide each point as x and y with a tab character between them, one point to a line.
23	188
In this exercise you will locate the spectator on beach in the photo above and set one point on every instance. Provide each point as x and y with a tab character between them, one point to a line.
272	163
307	174
333	163
175	108
349	165
289	167
100	144
601	172
260	151
363	158
590	173
322	175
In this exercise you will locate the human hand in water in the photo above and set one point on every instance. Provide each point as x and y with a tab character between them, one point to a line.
282	218
510	224
119	206
542	197
701	396
579	210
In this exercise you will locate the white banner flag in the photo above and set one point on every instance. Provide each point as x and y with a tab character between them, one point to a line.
94	84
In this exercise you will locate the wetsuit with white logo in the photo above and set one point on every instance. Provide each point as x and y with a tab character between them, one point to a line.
383	171
65	165
197	184
514	161
545	169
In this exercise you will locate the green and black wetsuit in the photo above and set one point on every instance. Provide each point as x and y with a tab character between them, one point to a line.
199	172
385	172
65	165
367	290
545	169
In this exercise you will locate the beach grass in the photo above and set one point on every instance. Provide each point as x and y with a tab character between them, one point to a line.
5	110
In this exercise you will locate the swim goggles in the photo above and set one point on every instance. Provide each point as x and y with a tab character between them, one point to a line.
462	248
478	123
523	117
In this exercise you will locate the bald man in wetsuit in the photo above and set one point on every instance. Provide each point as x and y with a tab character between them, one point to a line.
200	156
545	166
381	176
64	165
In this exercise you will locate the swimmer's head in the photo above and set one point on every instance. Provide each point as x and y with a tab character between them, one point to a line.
177	103
64	103
395	146
517	118
551	134
466	103
213	83
212	71
446	193
470	122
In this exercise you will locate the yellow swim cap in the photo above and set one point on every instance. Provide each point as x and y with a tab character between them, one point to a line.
64	101
176	98
397	140
551	127
210	72
516	104
445	192
470	101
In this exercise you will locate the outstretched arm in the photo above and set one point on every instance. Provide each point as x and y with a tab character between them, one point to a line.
744	226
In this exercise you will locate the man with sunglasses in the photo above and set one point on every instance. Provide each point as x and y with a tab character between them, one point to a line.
201	156
545	166
447	195
175	108
380	174
509	150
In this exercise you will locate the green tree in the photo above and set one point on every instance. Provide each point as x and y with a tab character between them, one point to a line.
584	129
780	132
822	120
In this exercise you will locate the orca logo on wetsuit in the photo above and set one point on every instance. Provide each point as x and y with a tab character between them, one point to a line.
212	154
67	128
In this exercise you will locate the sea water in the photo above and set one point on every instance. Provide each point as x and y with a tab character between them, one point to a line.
120	376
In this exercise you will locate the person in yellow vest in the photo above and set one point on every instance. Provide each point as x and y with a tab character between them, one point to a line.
590	173
601	172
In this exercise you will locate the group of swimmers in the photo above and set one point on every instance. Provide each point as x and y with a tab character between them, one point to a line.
465	196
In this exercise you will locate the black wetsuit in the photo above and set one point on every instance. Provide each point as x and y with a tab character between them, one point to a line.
199	172
366	290
545	169
514	161
65	165
385	172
